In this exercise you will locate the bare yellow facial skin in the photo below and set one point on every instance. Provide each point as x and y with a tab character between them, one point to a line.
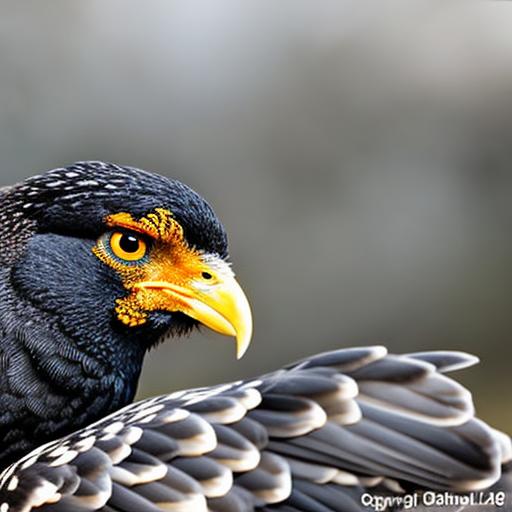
161	272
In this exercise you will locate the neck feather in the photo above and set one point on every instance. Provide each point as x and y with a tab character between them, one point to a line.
48	383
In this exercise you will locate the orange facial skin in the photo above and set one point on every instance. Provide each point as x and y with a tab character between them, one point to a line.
161	272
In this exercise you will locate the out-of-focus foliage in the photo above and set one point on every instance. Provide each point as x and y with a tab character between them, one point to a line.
358	153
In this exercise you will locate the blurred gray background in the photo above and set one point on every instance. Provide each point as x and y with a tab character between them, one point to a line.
359	154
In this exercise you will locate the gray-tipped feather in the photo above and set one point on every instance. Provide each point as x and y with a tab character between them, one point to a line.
311	437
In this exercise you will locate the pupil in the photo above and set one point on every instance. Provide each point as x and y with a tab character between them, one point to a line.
129	243
206	275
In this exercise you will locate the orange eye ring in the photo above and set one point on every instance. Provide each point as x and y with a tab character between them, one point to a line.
127	246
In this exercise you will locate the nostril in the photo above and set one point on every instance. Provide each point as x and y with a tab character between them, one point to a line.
206	275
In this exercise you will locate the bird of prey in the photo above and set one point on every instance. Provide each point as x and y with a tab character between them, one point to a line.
99	263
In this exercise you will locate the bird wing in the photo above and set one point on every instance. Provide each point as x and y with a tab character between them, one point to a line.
313	436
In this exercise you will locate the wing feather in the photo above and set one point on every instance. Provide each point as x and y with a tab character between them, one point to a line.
310	437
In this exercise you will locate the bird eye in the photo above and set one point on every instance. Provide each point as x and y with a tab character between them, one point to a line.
128	246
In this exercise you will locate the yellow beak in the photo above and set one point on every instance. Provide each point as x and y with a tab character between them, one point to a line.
222	306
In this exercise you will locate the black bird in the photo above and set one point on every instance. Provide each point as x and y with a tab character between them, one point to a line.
100	262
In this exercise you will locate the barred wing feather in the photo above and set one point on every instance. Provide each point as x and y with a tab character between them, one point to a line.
313	436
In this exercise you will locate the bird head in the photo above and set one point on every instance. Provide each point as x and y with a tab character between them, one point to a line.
108	252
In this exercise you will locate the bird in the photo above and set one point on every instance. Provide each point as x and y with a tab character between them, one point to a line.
100	262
